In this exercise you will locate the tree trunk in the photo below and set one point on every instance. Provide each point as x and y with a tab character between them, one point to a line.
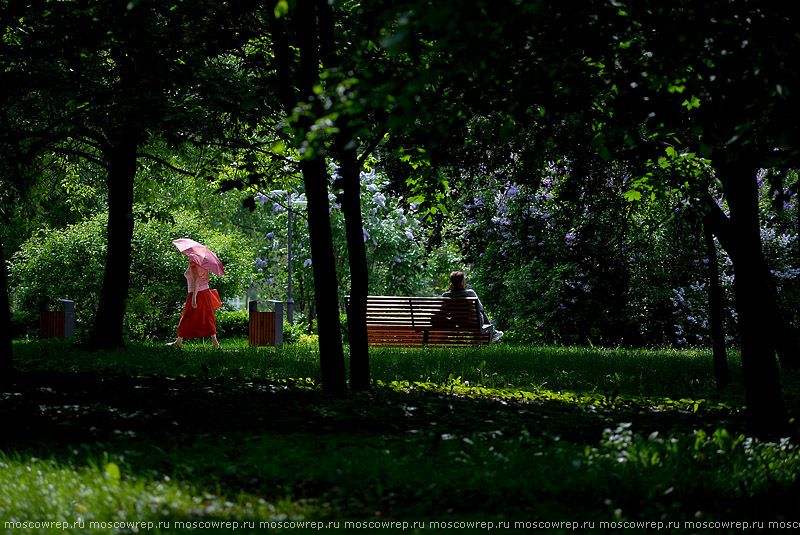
6	350
765	407
108	324
315	178
783	334
354	226
716	303
331	353
359	275
786	342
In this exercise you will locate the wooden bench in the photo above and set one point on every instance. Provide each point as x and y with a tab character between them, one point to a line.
424	321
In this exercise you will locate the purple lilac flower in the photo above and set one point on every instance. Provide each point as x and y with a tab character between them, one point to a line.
369	176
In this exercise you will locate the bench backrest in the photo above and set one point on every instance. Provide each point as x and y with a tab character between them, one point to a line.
422	321
423	312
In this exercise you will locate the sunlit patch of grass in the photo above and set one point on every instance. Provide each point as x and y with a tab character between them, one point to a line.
36	495
596	374
499	474
586	375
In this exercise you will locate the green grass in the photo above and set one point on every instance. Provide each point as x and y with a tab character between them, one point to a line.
500	434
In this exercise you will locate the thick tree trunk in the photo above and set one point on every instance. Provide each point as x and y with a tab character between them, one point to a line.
108	324
6	350
351	209
716	303
786	342
359	275
315	178
331	353
783	334
765	406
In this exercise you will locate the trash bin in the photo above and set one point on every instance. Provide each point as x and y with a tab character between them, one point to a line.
57	323
266	328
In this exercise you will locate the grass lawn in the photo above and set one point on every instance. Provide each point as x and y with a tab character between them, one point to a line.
152	440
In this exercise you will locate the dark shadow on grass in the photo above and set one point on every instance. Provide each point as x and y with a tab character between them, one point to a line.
65	409
238	436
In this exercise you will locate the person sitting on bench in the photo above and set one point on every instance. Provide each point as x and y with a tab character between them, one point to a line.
458	288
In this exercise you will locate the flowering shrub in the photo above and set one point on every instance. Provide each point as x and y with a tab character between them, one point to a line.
393	234
393	237
779	243
551	269
568	260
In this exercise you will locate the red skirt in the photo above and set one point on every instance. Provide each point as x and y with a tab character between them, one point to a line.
198	322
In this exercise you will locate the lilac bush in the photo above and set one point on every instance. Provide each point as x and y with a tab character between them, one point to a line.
569	260
551	265
394	238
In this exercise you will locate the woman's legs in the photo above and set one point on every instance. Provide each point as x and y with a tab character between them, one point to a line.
178	342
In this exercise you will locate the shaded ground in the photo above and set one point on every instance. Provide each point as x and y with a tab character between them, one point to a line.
69	409
287	440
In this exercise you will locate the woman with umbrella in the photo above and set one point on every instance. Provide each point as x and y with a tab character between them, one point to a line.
197	320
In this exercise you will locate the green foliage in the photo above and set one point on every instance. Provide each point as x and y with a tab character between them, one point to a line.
393	236
61	264
68	264
345	328
293	333
232	324
24	324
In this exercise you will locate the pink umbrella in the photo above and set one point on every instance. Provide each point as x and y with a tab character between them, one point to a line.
200	255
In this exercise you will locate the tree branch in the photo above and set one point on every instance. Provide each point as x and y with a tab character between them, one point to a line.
165	163
81	154
371	148
716	221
